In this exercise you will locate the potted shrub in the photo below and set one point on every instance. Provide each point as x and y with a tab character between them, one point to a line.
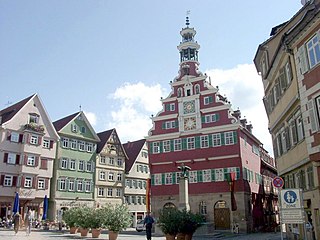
169	221
82	219
70	218
116	218
95	220
189	222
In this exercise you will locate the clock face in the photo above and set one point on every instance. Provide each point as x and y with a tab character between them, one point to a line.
188	107
189	123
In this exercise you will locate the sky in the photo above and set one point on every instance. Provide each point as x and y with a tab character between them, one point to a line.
115	59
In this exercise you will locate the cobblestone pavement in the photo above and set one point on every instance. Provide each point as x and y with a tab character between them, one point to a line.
129	234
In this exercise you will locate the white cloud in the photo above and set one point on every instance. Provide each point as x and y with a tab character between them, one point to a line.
135	104
243	88
92	118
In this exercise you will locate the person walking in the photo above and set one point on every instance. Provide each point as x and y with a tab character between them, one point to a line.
27	223
16	222
148	222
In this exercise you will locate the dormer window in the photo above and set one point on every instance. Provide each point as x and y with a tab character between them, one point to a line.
34	118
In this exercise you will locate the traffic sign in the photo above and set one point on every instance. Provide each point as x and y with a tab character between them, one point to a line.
290	198
278	182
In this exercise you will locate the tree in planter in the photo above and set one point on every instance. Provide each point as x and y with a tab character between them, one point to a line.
189	223
70	218
169	221
116	218
95	222
83	220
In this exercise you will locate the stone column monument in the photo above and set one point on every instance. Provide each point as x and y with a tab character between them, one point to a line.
184	188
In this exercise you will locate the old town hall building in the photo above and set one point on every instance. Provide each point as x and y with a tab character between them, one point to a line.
231	173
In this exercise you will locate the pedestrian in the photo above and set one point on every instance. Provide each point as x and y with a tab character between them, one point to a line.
148	222
27	223
16	222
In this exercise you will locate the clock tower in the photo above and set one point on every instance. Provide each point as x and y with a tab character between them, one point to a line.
197	127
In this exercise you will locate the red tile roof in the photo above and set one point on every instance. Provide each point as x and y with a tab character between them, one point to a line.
9	112
59	124
104	136
133	149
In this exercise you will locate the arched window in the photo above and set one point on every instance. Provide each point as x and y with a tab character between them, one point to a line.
179	92
188	89
197	89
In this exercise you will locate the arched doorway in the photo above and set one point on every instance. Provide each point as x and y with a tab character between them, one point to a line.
221	215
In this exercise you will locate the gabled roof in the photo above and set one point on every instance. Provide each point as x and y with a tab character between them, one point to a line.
133	149
9	112
59	124
104	136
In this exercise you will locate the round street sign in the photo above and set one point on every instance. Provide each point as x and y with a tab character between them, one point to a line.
278	182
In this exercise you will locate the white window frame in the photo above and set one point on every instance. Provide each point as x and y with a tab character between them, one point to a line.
168	178
82	146
81	165
172	107
158	179
89	147
311	47
46	143
73	144
89	166
72	164
111	161
28	182
80	186
102	175
166	146
228	138
8	181
193	176
119	162
204	141
206	174
64	163
118	192
216	139
62	184
219	175
41	183
88	186
12	158
109	192
65	142
103	160
71	185
101	192
14	137
111	176
119	177
190	143
31	160
156	147
177	144
34	139
206	100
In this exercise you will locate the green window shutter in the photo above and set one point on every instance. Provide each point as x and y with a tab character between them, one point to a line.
174	180
222	139
150	148
217	117
167	107
161	147
203	119
210	140
235	138
163	178
176	124
197	139
213	176
171	145
226	174
152	179
210	99
184	143
163	125
199	176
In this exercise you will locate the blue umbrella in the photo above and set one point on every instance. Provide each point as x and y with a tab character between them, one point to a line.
16	204
45	207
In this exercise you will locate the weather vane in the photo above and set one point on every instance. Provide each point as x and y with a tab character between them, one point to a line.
187	18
